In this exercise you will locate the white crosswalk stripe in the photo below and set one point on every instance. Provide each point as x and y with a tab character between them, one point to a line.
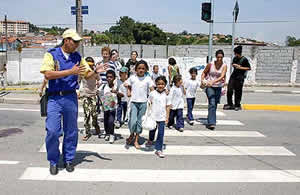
8	162
159	176
195	112
201	122
185	150
194	133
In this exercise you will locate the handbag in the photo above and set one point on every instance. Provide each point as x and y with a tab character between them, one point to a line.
148	123
43	104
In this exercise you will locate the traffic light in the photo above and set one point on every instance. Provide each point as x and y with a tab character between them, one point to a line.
206	12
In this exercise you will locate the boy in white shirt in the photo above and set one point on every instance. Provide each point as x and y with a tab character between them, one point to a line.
191	87
122	97
155	73
176	95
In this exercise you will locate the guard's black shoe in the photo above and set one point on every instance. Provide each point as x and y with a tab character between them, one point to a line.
53	170
237	108
69	167
228	107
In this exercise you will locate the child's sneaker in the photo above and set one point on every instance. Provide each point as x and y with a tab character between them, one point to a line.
191	122
117	124
106	137
111	139
159	154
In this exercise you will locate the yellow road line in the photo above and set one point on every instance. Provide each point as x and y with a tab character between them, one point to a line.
290	108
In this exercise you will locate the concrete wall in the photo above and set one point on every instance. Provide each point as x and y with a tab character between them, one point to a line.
270	65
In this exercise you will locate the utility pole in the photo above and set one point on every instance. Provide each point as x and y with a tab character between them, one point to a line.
6	45
211	29
235	15
79	25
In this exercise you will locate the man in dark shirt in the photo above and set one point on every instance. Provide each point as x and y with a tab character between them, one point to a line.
241	66
131	63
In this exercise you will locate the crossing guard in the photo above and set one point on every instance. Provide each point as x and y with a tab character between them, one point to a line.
61	66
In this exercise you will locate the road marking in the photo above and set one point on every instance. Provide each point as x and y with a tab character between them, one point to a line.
80	110
198	122
163	176
7	162
20	109
184	150
194	133
195	112
263	91
220	122
290	108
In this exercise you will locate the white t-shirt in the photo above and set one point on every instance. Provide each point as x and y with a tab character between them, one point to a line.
176	97
154	76
139	87
191	87
123	90
159	102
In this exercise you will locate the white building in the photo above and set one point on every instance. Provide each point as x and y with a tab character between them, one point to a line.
14	27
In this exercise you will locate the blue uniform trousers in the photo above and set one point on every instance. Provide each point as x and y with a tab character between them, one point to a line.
62	108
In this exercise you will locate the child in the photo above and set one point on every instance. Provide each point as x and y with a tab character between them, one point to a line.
155	73
173	70
138	87
122	97
160	113
177	93
191	86
89	95
108	96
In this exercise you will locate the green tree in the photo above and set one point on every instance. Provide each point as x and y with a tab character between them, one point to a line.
101	38
292	41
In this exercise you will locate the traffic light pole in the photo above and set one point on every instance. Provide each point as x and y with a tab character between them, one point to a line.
79	26
211	29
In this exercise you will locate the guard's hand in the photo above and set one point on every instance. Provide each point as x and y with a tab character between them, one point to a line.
78	70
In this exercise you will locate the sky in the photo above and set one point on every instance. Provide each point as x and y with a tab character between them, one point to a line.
170	15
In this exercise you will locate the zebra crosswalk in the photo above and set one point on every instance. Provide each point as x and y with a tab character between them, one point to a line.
177	151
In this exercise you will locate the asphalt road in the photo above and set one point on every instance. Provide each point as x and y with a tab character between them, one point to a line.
230	170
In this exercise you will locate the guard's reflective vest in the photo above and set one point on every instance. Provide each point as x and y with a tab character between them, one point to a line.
67	83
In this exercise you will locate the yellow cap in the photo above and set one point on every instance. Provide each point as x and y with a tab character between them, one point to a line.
71	33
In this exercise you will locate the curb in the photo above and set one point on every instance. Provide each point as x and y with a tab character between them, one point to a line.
289	108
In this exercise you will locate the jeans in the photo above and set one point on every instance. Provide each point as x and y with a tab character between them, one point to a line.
109	119
62	108
179	118
213	95
137	111
160	135
190	106
122	109
236	86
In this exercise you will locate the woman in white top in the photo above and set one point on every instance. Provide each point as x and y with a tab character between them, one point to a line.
213	77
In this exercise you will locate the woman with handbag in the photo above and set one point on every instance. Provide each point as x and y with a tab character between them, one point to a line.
213	79
160	110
